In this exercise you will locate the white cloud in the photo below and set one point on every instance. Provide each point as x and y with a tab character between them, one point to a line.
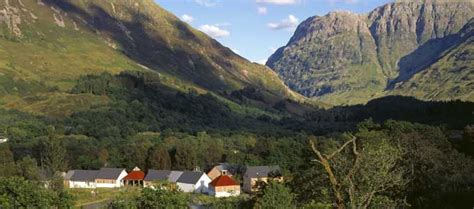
262	61
343	1
206	3
214	31
278	2
224	24
235	50
262	10
290	23
187	18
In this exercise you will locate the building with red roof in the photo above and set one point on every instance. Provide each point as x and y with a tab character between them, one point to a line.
224	186
134	178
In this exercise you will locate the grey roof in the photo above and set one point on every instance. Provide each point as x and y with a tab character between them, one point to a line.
190	177
224	166
157	175
163	175
84	175
109	173
174	176
262	171
69	174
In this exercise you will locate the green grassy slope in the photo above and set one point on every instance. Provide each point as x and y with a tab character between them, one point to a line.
449	78
46	45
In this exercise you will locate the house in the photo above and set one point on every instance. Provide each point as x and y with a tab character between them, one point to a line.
161	175
193	181
224	186
220	170
67	178
80	179
254	175
134	178
3	139
110	177
103	178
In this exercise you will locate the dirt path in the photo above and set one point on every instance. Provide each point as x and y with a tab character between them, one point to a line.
99	204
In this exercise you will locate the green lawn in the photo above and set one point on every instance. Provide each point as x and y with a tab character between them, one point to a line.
85	196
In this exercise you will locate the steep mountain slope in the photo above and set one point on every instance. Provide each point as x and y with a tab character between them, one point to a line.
346	58
331	56
45	45
451	76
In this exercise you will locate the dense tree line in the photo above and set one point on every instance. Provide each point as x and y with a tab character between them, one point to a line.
374	163
395	164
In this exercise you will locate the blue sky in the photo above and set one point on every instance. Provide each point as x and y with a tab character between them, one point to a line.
255	28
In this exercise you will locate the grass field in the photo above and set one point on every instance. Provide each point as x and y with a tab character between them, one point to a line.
85	196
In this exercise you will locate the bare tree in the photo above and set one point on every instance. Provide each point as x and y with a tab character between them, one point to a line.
369	172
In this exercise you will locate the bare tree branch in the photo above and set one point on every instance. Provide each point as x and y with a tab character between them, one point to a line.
341	148
356	160
351	192
351	173
368	201
332	178
315	160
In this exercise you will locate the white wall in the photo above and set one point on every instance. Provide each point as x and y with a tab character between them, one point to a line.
82	184
212	192
185	187
225	194
106	185
118	182
202	186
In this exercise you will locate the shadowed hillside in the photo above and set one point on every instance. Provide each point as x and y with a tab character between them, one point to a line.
46	45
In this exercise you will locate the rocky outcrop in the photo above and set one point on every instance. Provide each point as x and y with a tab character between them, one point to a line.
344	57
326	53
451	76
10	16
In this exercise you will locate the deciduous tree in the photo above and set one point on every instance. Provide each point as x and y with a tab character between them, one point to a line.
275	195
362	170
159	158
28	168
7	163
185	157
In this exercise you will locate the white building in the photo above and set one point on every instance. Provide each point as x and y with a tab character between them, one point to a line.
224	186
193	181
3	139
80	179
161	175
255	174
110	177
90	179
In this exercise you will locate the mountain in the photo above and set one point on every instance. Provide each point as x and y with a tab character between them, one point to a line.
347	58
46	45
453	72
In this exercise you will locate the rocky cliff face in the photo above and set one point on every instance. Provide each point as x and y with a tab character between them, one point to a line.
349	58
451	76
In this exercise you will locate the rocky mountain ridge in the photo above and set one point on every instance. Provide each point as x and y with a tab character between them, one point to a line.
347	58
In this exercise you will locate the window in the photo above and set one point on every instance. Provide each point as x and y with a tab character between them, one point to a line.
105	181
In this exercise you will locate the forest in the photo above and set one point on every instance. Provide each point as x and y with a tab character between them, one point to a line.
394	152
